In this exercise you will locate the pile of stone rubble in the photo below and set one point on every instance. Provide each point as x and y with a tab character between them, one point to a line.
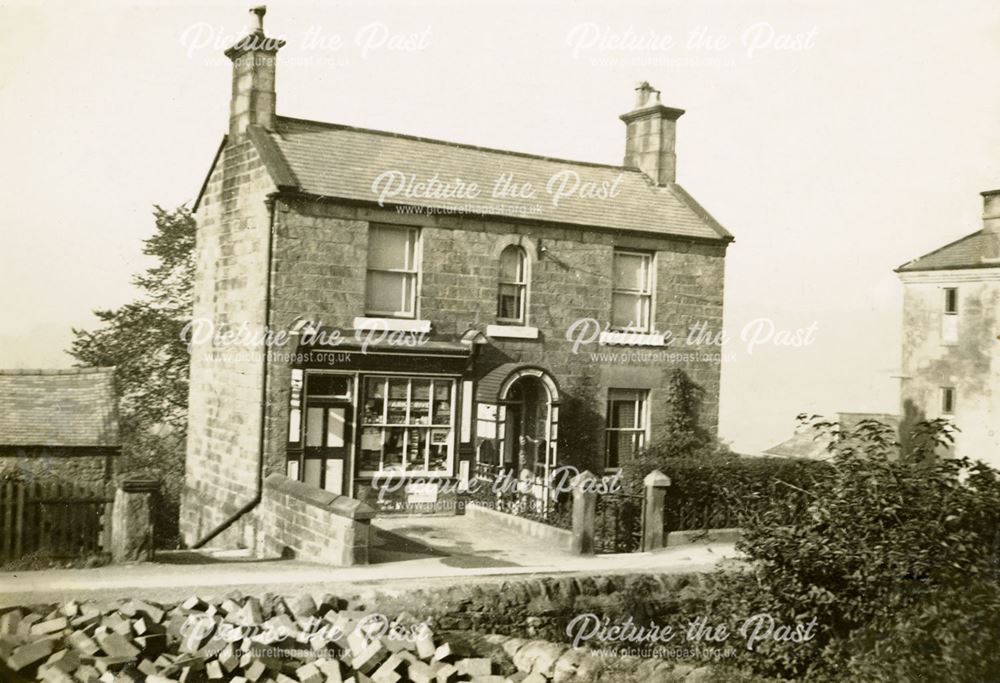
241	639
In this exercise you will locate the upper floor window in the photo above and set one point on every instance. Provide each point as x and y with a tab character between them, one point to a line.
949	321
951	300
625	425
393	271
632	291
947	400
513	286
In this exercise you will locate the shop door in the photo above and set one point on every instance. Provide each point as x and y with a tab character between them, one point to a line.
327	448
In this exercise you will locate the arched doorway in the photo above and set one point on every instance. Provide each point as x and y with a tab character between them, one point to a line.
526	433
517	421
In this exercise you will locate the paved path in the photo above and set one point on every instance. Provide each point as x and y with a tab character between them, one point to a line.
408	552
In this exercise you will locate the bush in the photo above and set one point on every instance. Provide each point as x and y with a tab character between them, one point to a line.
952	632
884	541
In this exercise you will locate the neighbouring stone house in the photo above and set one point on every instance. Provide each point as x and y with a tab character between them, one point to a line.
59	424
951	337
950	349
457	311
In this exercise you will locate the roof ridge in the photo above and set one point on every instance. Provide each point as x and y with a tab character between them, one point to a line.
938	250
89	370
463	145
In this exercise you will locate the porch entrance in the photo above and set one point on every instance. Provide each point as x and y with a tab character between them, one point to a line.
517	427
526	428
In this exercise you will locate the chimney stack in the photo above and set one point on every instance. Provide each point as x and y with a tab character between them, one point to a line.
651	136
991	225
991	211
253	99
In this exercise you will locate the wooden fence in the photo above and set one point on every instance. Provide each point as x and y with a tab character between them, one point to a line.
54	519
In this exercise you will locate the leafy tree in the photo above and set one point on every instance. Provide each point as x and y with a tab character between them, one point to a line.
143	340
883	540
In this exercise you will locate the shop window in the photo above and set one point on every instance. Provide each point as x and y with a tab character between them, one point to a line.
407	424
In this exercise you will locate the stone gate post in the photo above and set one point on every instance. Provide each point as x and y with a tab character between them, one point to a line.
655	485
584	513
132	520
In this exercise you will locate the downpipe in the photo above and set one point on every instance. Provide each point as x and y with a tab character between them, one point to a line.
271	201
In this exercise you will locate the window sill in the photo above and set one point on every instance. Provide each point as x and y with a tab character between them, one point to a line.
393	324
512	331
626	338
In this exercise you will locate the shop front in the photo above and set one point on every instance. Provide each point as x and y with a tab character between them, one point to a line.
397	426
358	415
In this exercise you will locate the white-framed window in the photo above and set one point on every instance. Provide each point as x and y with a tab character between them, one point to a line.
947	400
512	288
407	424
393	271
626	425
632	291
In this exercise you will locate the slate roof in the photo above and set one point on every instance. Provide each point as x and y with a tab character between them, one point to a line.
800	445
338	161
74	407
967	252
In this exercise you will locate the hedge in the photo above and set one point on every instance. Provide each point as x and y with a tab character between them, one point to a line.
719	492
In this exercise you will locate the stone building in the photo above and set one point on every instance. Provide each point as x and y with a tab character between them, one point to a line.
59	424
951	337
432	306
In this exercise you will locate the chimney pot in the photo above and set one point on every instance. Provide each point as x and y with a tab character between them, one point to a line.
643	93
259	11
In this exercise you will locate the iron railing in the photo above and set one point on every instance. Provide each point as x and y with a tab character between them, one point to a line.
618	523
526	496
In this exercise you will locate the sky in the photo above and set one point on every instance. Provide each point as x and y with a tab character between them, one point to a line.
835	140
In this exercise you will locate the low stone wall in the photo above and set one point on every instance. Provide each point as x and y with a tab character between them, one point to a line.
525	620
311	524
536	607
550	535
687	537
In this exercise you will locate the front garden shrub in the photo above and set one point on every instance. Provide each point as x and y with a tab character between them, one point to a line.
883	540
